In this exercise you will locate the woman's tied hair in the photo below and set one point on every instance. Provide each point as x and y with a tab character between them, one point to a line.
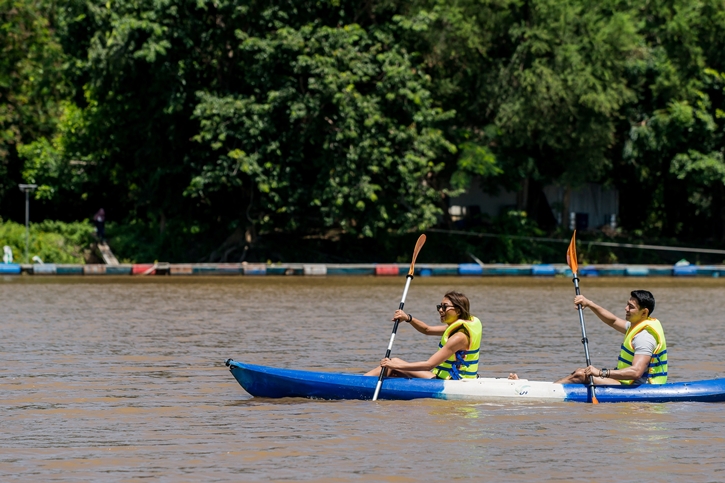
645	300
460	301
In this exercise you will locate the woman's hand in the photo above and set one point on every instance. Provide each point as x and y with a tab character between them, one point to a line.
400	315
393	363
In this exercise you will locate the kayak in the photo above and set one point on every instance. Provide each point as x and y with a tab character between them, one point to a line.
263	381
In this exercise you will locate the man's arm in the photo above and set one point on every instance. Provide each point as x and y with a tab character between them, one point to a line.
604	315
639	367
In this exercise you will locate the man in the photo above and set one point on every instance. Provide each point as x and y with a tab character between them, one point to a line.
643	355
100	221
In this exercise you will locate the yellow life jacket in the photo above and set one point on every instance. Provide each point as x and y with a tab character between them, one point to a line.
657	372
464	363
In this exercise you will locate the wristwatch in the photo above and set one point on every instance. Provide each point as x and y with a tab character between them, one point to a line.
604	372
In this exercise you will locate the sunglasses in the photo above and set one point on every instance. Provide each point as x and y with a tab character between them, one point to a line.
444	307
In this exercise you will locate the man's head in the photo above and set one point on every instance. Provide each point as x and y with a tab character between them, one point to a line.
640	305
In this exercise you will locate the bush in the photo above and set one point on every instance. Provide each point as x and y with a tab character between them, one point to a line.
52	241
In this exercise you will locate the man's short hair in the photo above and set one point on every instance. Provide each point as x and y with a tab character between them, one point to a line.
644	299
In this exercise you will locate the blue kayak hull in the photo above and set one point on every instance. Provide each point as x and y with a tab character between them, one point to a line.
263	381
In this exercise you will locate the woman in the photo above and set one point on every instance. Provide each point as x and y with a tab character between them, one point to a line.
457	356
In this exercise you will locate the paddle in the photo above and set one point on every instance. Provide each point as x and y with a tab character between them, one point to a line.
409	277
572	262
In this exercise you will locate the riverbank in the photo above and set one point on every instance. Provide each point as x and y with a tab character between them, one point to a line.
363	269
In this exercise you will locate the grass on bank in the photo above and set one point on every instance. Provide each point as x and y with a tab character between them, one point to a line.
51	241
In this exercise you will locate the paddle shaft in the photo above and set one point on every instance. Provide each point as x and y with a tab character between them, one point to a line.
409	277
585	341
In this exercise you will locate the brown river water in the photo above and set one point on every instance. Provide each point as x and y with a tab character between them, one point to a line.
123	380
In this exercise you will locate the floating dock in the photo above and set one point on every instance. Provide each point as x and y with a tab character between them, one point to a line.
362	269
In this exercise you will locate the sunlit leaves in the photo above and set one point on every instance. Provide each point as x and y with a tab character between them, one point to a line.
344	135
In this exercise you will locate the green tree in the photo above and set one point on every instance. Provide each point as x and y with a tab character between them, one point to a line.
671	170
31	83
538	86
216	114
340	132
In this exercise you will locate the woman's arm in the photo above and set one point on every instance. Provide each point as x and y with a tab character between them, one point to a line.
457	342
419	325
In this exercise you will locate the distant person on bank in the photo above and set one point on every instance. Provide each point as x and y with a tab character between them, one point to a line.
457	356
643	355
99	219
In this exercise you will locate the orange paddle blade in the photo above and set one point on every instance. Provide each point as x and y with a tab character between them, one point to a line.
571	254
418	246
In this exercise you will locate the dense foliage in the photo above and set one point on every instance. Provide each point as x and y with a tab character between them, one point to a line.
50	241
225	129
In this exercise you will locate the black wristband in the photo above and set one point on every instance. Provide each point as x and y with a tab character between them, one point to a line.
410	318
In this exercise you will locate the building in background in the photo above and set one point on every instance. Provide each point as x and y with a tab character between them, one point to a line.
588	207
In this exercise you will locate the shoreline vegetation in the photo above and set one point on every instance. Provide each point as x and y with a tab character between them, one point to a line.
503	241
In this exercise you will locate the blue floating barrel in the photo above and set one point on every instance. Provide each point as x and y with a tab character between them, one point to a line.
684	271
565	271
470	269
543	270
351	269
636	271
660	271
69	269
217	269
277	270
499	270
9	268
444	269
589	271
119	269
612	271
708	271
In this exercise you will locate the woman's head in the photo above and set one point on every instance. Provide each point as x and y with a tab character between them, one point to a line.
455	303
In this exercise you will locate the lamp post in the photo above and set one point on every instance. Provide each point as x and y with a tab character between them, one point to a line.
27	188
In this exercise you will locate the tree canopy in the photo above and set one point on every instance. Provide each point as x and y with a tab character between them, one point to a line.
216	122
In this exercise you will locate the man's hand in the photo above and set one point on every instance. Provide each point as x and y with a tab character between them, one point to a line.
581	300
593	371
